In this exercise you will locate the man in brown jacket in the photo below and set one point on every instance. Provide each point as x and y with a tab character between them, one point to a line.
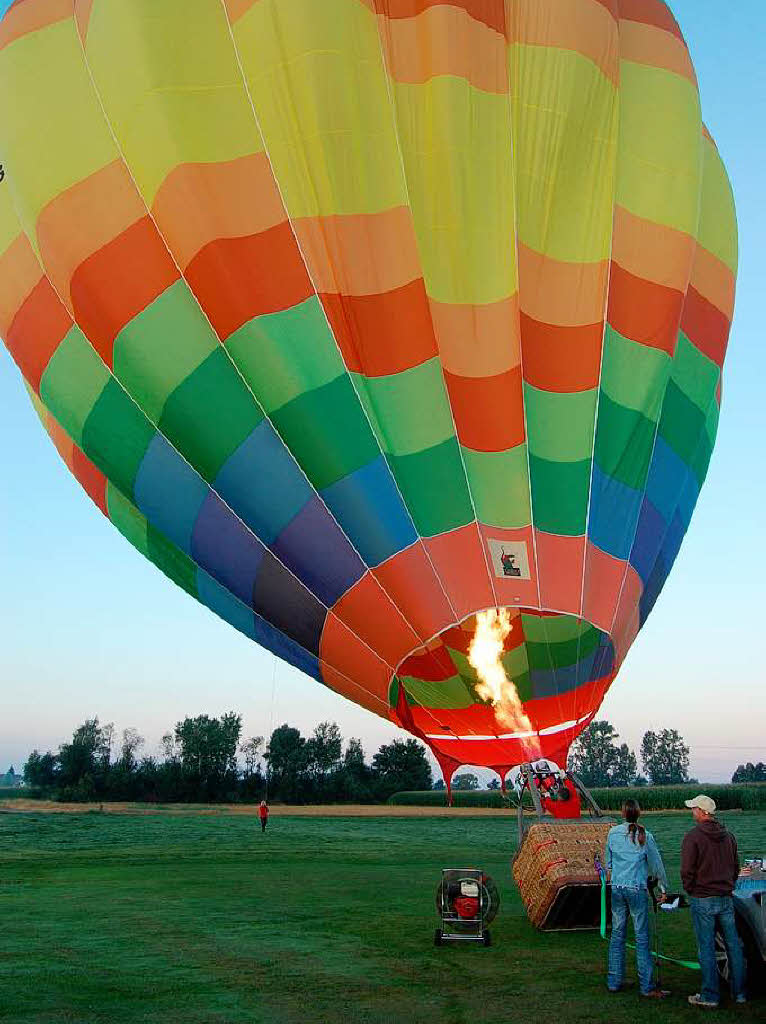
709	872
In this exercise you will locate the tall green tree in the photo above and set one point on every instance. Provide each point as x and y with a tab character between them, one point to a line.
287	759
597	758
208	754
466	781
400	765
750	772
665	757
40	770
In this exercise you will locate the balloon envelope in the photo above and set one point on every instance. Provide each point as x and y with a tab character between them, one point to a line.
359	317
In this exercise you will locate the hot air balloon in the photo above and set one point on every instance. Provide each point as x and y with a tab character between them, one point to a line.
362	317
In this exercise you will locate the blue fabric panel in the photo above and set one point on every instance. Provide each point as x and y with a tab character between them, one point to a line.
368	505
665	475
223	547
263	484
651	530
687	500
246	621
614	512
314	548
169	492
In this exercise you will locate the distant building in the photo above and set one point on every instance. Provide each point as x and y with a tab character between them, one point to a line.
11	780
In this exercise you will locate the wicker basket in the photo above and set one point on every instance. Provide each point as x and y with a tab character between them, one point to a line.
556	875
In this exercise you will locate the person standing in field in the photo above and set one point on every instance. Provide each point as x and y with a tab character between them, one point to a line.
263	814
631	856
709	872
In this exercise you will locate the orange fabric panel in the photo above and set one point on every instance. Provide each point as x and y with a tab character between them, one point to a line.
85	218
714	281
560	568
559	292
19	274
651	251
561	359
63	442
603	580
643	311
360	254
236	279
91	479
650	12
369	611
24	17
490	12
510	590
201	203
118	282
488	411
349	657
410	578
383	334
643	44
477	341
445	40
36	331
705	326
236	8
82	12
627	621
459	560
579	25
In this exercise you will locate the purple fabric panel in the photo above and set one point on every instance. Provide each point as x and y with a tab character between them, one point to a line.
225	548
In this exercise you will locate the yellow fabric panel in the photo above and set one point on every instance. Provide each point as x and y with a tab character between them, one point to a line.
170	84
316	76
718	218
456	146
660	146
565	142
44	82
9	222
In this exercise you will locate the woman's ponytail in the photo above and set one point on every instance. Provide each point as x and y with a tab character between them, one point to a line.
631	813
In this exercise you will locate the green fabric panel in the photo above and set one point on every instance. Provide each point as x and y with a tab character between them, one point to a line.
516	662
499	483
694	373
681	423
702	456
546	629
283	355
161	347
634	375
127	519
560	495
116	435
409	411
72	382
172	561
569	652
560	425
433	485
523	684
336	441
624	443
210	414
446	693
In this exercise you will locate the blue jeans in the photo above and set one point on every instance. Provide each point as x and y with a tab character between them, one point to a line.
706	911
633	902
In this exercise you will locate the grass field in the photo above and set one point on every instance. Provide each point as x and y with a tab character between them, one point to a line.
193	918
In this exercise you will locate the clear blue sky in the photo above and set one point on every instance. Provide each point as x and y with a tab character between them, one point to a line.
89	627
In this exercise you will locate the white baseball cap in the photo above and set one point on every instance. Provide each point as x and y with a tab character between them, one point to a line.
705	803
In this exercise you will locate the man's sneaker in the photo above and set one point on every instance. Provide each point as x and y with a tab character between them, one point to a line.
656	993
697	1000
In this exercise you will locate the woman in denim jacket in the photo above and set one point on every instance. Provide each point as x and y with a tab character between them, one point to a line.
631	856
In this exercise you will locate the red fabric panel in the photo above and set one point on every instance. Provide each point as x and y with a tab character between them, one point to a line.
650	12
561	359
643	311
236	279
383	334
36	331
705	326
118	282
91	479
488	411
490	12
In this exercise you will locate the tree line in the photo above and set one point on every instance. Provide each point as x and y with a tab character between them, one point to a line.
207	760
600	761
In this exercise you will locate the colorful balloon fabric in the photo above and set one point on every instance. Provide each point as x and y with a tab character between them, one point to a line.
358	317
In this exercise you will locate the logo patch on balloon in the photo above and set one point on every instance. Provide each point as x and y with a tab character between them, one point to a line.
510	559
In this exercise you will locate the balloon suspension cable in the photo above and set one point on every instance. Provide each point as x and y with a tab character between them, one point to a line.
271	722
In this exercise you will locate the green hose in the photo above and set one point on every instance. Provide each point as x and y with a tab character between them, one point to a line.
692	965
